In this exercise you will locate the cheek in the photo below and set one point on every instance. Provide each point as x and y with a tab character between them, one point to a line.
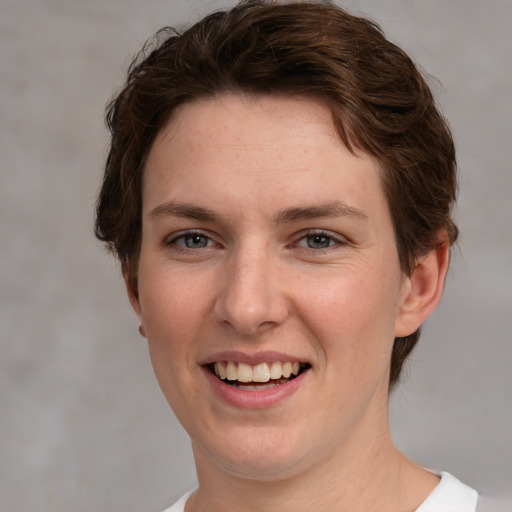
352	318
173	310
171	299
172	315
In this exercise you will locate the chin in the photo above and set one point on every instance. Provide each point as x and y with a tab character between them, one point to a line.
267	458
261	468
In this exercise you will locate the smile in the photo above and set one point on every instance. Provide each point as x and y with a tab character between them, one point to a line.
257	377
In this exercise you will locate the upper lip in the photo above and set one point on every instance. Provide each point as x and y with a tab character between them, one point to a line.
251	359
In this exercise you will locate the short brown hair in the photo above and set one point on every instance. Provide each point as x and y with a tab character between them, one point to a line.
379	100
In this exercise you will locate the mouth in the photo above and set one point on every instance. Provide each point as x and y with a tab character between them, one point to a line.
257	377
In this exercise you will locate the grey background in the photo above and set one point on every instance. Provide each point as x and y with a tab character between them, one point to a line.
83	426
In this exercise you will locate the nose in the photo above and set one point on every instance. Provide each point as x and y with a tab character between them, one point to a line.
251	299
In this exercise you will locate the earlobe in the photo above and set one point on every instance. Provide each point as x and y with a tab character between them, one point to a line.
423	290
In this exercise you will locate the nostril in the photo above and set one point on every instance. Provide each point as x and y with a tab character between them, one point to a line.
248	300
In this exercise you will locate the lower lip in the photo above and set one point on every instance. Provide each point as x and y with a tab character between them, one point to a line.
254	399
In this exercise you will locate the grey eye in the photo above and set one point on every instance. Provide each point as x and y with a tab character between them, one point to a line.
318	241
195	241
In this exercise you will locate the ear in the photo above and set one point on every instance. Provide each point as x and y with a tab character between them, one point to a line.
133	295
422	290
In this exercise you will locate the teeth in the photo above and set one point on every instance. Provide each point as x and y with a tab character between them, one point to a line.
263	372
276	370
287	369
244	373
231	371
221	372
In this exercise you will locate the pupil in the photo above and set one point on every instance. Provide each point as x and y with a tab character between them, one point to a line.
318	242
195	241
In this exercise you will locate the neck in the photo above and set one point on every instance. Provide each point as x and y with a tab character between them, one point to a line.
364	475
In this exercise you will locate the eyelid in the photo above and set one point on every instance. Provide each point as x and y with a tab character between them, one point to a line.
174	237
339	240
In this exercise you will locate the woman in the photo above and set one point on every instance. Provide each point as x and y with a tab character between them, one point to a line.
279	191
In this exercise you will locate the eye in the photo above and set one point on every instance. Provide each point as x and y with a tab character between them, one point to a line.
191	240
319	240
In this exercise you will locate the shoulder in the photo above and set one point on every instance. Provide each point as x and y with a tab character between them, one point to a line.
450	495
179	506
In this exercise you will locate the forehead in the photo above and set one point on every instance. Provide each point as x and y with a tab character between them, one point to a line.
276	150
229	122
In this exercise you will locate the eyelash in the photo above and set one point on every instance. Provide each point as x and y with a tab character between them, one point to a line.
174	241
333	241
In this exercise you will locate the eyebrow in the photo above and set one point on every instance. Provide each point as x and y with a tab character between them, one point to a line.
332	209
184	210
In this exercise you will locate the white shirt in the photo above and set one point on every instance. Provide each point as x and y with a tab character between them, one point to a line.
450	495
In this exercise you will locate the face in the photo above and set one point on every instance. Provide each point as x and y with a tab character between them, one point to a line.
269	285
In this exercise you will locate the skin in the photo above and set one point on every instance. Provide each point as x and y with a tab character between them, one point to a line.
235	191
